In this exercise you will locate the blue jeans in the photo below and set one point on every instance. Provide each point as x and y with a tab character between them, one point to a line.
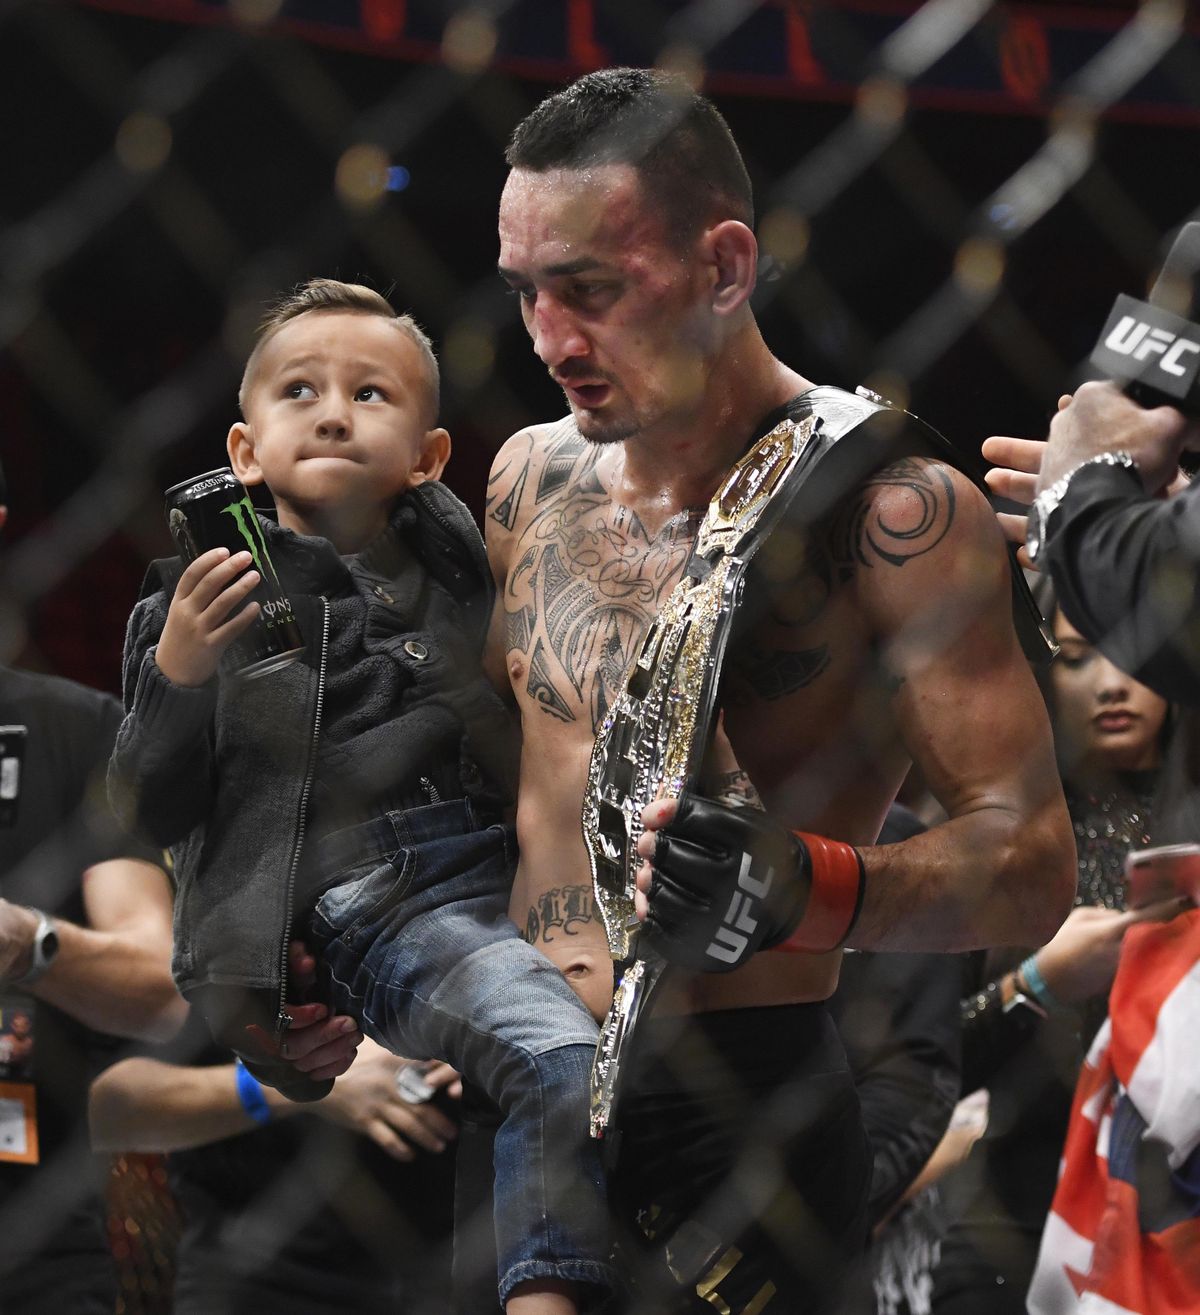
414	941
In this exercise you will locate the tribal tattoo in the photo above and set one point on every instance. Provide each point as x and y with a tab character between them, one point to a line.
585	580
762	672
862	536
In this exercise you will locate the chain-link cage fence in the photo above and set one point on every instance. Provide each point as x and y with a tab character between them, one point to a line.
949	195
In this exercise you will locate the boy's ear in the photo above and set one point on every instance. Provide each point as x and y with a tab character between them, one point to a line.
435	452
240	446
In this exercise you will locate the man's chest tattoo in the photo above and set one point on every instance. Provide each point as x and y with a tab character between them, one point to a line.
585	581
562	911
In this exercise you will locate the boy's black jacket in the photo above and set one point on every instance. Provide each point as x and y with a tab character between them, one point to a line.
222	774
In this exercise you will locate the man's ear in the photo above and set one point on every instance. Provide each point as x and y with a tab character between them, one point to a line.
3	517
435	452
240	446
733	250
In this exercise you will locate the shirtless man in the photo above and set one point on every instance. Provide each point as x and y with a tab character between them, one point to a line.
625	232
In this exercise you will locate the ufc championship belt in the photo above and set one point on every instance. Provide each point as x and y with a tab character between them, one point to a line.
657	732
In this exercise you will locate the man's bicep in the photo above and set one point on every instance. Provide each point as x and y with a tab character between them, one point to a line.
968	709
975	724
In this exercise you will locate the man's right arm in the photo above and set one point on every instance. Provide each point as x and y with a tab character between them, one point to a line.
1126	572
113	974
999	871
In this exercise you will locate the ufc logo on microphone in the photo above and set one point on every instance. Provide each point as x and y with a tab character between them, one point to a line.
1132	337
729	944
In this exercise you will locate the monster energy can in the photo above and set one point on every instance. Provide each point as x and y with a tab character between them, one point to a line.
214	511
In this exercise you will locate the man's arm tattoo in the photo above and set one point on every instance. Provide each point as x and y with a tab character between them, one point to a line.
863	535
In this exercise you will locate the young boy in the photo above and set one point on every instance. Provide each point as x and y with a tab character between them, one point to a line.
342	795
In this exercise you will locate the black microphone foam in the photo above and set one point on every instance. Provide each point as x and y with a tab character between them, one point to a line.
1152	348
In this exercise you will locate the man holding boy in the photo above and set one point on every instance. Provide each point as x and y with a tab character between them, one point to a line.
625	231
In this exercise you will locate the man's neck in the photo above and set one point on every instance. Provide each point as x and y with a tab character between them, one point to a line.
680	464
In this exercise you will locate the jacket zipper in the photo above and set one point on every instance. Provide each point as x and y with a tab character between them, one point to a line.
431	790
282	1021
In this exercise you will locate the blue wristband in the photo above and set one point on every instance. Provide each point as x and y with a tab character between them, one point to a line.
250	1093
1037	983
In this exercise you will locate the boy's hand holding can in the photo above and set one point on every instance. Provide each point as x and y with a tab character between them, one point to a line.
206	615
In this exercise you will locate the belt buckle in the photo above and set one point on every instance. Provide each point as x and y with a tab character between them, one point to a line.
629	1001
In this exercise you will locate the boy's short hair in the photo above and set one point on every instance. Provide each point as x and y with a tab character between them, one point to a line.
686	158
334	295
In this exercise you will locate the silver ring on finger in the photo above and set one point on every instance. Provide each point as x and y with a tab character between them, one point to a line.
411	1084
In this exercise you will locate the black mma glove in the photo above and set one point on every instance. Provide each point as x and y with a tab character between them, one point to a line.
728	882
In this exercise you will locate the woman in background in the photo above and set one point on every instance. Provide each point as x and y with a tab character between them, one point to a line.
1027	1025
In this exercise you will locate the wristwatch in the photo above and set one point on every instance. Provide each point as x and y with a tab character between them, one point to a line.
1013	996
45	947
1046	502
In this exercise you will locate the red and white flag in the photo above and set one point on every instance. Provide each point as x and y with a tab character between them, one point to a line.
1123	1234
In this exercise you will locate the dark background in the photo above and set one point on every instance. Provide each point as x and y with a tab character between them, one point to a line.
127	289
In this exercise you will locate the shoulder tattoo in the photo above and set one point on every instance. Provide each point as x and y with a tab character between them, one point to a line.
871	529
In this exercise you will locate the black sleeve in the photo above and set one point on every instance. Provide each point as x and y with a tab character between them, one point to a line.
63	825
898	1016
990	1038
1126	569
160	776
899	1019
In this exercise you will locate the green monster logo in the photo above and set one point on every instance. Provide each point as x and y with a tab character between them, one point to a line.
274	609
248	527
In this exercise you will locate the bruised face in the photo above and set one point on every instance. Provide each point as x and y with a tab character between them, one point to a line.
617	311
1104	719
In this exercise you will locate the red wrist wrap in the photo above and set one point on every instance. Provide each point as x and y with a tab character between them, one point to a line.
834	899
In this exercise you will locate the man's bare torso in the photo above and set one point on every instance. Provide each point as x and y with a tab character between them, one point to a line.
808	700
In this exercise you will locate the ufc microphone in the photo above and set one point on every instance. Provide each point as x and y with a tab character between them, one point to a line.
1152	348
